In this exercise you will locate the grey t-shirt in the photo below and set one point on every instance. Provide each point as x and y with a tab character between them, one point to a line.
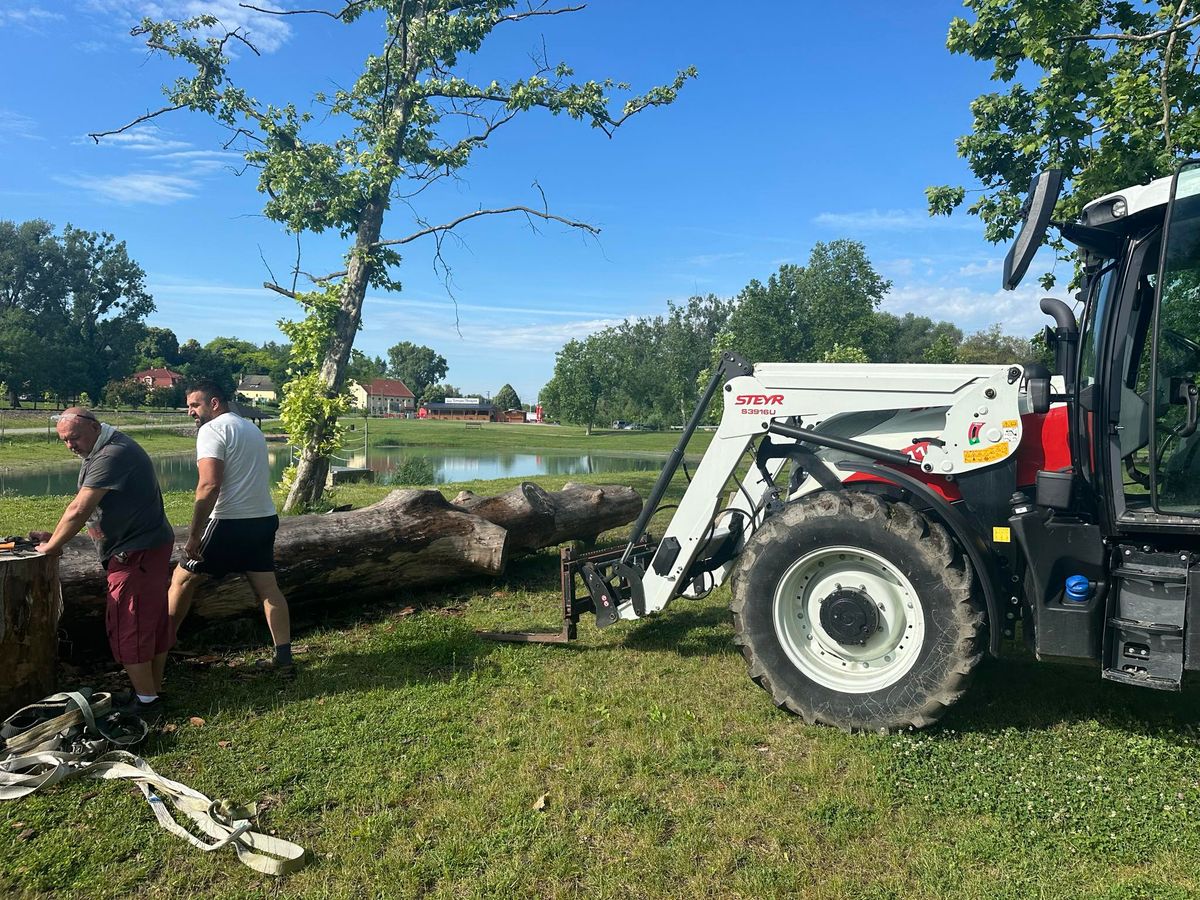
131	515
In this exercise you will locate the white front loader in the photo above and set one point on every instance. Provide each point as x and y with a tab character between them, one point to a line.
946	420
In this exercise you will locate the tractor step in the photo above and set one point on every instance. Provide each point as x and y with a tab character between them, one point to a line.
1145	630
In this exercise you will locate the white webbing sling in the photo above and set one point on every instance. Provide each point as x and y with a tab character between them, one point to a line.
72	745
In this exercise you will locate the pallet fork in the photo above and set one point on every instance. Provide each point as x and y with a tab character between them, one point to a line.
599	571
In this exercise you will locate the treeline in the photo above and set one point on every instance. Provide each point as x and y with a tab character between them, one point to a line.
652	370
73	310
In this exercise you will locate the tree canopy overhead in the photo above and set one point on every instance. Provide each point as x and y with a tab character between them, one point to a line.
1105	89
415	114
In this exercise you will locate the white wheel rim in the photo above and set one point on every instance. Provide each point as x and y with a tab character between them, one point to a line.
885	657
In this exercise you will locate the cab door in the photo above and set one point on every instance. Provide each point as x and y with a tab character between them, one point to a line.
1174	391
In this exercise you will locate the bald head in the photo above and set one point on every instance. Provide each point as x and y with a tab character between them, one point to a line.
78	428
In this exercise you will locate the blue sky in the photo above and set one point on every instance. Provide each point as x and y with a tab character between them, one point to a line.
809	122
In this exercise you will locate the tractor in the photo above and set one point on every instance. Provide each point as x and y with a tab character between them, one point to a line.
886	526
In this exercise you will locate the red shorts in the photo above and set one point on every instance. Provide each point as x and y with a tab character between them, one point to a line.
137	617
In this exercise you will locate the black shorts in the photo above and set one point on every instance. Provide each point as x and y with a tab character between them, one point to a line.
236	545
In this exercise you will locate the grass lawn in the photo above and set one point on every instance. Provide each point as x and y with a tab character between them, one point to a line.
414	759
495	436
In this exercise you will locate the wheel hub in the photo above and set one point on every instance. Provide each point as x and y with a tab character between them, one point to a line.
848	616
849	619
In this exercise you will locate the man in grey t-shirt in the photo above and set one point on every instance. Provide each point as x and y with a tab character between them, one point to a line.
122	506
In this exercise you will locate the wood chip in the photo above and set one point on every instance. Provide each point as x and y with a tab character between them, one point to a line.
224	745
196	721
540	803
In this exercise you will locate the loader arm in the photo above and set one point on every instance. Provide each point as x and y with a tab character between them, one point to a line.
797	412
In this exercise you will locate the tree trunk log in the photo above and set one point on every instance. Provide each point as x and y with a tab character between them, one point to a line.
30	606
536	518
409	539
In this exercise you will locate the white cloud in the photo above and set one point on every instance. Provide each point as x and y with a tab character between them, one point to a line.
15	126
28	16
136	187
893	220
266	32
989	266
1016	311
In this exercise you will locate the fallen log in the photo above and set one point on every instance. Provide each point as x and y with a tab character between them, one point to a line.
536	518
411	538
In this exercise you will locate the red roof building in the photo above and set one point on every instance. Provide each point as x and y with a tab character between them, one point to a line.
390	397
157	378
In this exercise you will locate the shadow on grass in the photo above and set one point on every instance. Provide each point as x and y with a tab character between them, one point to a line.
443	651
1019	692
695	631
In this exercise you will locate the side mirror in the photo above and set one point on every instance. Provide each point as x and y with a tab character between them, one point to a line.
1039	206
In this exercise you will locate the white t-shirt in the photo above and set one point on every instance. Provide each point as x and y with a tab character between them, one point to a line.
246	484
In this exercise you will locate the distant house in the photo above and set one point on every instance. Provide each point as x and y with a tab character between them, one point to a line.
157	378
258	389
461	409
514	415
384	397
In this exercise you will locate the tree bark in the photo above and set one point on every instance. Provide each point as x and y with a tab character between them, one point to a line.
536	518
30	605
411	538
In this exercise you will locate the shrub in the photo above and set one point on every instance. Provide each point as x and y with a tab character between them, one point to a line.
412	470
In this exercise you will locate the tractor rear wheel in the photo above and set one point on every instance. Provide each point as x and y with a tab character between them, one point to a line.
857	612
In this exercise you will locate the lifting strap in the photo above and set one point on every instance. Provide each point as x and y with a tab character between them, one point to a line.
74	744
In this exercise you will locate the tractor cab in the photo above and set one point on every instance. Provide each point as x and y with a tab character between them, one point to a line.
1126	513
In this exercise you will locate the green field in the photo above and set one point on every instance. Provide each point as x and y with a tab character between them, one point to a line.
414	759
417	433
29	451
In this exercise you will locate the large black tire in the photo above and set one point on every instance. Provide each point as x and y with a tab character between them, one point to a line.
923	646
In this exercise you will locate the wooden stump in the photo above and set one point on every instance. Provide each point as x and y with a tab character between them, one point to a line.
30	607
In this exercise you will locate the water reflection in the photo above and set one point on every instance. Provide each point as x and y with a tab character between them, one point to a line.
468	465
178	472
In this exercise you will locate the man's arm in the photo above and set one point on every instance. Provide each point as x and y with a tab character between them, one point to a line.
208	488
75	516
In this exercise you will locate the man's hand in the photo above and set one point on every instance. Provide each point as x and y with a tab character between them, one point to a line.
45	547
192	548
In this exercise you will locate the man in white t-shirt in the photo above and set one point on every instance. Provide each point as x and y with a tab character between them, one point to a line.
234	520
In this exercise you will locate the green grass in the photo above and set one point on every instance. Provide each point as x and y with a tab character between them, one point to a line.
417	433
33	450
409	756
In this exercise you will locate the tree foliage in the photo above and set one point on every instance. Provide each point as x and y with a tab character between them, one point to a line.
506	398
802	312
652	369
364	369
1105	89
416	365
414	114
72	307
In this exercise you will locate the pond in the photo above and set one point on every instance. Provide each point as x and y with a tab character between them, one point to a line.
177	472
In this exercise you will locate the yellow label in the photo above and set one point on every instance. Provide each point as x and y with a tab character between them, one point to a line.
1001	535
987	454
1009	423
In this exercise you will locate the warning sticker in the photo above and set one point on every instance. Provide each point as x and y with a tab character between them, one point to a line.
1009	423
1001	535
988	454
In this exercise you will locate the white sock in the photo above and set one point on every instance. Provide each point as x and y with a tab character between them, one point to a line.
147	698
